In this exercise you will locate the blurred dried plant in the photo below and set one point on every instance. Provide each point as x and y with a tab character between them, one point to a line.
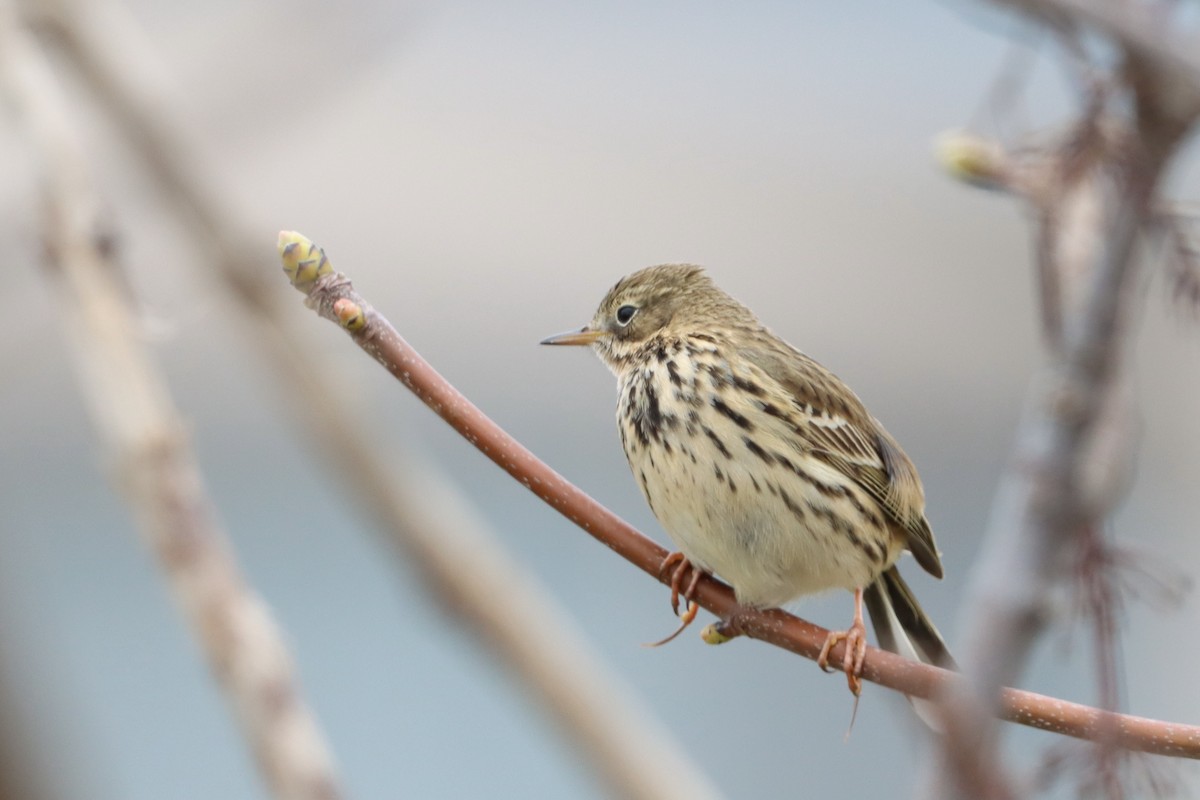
1093	192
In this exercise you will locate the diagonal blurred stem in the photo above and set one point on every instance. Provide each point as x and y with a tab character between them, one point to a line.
133	412
28	772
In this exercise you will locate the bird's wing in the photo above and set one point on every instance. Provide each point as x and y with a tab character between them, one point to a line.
832	424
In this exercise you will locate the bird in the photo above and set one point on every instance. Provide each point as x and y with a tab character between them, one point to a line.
762	466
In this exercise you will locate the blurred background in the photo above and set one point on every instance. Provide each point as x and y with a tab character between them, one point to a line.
484	172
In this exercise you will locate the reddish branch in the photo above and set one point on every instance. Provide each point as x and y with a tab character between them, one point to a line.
374	334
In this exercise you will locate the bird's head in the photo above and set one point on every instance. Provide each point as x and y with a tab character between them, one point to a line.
663	302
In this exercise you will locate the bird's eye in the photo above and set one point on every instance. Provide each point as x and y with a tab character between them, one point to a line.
625	314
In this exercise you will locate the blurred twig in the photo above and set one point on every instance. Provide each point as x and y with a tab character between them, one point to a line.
462	566
23	772
1093	194
133	413
1142	30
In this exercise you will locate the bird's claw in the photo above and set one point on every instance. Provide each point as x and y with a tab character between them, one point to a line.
685	619
854	656
678	564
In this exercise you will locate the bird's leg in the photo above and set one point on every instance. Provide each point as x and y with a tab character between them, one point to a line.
855	638
681	566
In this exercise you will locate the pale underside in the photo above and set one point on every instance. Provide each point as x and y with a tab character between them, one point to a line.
738	491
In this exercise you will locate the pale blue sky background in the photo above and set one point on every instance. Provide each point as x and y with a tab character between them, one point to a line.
485	172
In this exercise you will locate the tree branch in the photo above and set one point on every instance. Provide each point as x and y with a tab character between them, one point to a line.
332	296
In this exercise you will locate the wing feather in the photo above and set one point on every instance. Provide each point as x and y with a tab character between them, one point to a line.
833	425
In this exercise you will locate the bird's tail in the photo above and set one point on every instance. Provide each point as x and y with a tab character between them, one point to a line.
901	625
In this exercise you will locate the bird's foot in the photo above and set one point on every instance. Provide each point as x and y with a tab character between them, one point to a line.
679	566
855	654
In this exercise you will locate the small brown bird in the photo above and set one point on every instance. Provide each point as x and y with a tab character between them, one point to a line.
762	465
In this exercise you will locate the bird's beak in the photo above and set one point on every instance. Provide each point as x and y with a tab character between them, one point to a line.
579	338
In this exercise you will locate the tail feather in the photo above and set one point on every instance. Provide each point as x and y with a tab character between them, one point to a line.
902	627
900	623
